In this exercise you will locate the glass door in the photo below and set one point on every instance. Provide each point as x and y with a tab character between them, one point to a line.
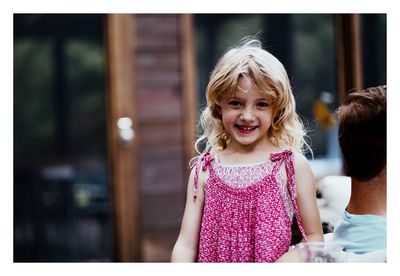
62	202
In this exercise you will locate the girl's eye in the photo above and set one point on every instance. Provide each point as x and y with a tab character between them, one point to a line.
262	104
234	103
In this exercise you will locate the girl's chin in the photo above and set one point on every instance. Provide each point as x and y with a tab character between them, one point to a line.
245	140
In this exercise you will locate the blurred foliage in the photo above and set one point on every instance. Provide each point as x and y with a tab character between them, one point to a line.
243	25
314	71
34	107
85	70
33	110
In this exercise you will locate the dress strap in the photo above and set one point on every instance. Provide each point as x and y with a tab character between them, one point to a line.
287	156
202	162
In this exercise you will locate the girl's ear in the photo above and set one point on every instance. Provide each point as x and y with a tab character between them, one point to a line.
219	112
216	113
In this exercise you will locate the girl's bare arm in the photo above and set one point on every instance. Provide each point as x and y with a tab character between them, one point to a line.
186	246
306	199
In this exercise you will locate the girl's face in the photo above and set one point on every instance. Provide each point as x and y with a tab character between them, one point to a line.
247	114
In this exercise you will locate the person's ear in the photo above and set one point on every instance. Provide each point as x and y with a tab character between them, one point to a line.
217	113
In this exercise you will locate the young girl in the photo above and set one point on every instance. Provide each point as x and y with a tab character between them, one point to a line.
251	179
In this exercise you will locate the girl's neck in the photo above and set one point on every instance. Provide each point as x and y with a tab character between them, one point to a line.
263	145
241	154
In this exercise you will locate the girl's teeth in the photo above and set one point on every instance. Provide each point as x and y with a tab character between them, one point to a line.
247	128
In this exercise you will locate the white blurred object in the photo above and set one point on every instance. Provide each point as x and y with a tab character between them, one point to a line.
126	131
318	252
322	167
334	196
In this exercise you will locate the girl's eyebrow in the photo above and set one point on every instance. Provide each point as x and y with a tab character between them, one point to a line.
240	98
233	98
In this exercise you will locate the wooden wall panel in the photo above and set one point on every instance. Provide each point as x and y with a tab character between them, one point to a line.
161	115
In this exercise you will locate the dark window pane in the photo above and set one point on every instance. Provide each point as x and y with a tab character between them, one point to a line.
62	209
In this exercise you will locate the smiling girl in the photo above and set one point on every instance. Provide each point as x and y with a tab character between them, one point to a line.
252	178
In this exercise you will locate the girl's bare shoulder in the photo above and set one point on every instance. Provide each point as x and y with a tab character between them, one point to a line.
300	162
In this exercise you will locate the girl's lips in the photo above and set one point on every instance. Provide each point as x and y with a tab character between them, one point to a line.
245	129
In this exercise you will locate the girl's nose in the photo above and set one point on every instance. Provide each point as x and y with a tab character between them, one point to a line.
247	115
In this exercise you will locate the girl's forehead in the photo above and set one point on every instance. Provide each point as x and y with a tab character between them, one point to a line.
245	84
246	88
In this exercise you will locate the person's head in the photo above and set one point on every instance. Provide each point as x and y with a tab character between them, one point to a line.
249	68
362	133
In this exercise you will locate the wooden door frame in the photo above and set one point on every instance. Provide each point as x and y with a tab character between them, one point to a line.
189	89
124	165
349	54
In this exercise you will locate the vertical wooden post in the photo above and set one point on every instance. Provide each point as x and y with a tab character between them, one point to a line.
123	154
189	84
349	55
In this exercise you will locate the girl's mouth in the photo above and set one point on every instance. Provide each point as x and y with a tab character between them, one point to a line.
245	129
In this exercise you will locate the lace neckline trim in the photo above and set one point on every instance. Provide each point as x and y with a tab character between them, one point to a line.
246	165
218	162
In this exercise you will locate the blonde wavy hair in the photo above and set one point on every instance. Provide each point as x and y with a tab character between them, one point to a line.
248	59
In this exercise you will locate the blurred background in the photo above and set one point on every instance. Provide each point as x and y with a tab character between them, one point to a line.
106	108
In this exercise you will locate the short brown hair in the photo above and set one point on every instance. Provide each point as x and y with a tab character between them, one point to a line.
362	132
